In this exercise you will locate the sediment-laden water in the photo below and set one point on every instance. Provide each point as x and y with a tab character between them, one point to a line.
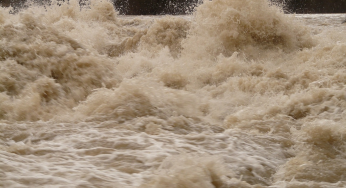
236	95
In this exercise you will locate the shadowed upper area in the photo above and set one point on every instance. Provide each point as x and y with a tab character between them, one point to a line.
157	7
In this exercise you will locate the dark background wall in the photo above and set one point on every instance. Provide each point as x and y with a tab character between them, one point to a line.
145	7
20	3
132	7
316	6
5	3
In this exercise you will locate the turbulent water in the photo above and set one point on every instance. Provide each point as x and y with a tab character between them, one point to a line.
238	94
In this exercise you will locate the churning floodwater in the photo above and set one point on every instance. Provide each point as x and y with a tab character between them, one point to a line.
237	95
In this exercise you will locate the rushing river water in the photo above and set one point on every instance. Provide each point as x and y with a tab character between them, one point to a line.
237	95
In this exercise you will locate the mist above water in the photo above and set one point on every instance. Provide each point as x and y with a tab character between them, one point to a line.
236	95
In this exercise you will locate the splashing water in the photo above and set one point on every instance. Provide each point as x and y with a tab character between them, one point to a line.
236	95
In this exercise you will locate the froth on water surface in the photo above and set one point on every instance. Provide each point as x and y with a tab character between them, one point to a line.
236	95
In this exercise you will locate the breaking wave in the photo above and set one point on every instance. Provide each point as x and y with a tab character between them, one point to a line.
238	94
